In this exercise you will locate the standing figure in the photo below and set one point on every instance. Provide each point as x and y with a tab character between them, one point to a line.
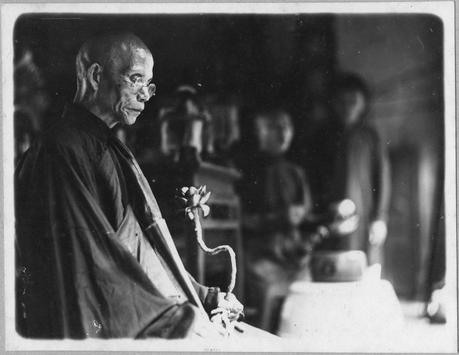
361	167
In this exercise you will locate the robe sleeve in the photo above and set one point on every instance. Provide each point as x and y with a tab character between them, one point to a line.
75	279
207	295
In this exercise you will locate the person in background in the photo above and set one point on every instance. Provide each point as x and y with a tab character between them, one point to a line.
31	98
361	168
23	134
31	101
276	201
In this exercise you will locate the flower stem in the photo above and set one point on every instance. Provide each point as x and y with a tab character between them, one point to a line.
216	250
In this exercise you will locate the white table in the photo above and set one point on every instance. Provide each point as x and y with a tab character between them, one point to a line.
345	316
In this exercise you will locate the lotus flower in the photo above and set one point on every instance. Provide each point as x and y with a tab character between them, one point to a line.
194	199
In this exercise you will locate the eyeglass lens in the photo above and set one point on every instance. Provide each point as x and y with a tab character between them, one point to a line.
151	89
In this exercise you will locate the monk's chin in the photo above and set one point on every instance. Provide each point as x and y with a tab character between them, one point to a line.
130	117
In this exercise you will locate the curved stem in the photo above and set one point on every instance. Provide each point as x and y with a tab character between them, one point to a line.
216	250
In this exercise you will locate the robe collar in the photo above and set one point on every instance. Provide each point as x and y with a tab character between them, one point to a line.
87	121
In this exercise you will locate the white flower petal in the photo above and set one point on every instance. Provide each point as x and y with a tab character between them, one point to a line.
205	210
205	198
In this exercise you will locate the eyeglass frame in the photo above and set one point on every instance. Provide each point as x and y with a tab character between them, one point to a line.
139	84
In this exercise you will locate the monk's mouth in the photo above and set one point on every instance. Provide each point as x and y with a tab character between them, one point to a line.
135	110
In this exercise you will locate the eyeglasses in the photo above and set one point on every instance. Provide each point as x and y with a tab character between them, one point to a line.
138	83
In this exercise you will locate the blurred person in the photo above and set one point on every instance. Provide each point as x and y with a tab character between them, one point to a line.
94	256
276	202
30	102
361	166
30	96
24	133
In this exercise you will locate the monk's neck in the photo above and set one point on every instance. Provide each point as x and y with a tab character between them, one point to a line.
109	120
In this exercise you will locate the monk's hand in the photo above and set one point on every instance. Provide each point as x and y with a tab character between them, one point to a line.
202	327
378	232
229	304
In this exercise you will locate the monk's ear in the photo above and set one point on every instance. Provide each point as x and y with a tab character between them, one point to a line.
94	75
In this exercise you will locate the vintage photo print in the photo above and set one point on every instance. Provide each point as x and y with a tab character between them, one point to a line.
229	176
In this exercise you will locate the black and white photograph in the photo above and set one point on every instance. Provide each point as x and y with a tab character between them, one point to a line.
229	177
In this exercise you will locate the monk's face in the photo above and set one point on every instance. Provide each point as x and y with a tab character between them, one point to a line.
124	88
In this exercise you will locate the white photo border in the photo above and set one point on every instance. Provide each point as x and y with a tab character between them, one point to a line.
11	12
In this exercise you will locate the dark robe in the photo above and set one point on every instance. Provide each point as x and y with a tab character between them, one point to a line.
362	175
79	196
268	189
274	249
315	151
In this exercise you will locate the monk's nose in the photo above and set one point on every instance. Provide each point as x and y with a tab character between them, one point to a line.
143	95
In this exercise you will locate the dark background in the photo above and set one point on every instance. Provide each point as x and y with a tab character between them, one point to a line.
290	60
261	58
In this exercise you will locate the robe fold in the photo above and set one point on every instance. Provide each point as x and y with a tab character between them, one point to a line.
75	275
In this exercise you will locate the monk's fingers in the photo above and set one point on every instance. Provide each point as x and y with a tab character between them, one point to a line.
216	311
230	302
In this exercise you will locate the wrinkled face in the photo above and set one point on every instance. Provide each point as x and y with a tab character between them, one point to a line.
120	98
274	136
349	106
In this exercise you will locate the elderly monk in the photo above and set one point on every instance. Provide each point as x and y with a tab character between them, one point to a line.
94	256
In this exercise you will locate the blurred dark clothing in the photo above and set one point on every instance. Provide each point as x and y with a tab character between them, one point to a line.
275	249
268	189
273	182
92	256
362	175
315	150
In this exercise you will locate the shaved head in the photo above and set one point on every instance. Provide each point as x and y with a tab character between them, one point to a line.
114	77
112	51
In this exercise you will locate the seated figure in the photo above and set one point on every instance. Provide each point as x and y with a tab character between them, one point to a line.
276	204
94	256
